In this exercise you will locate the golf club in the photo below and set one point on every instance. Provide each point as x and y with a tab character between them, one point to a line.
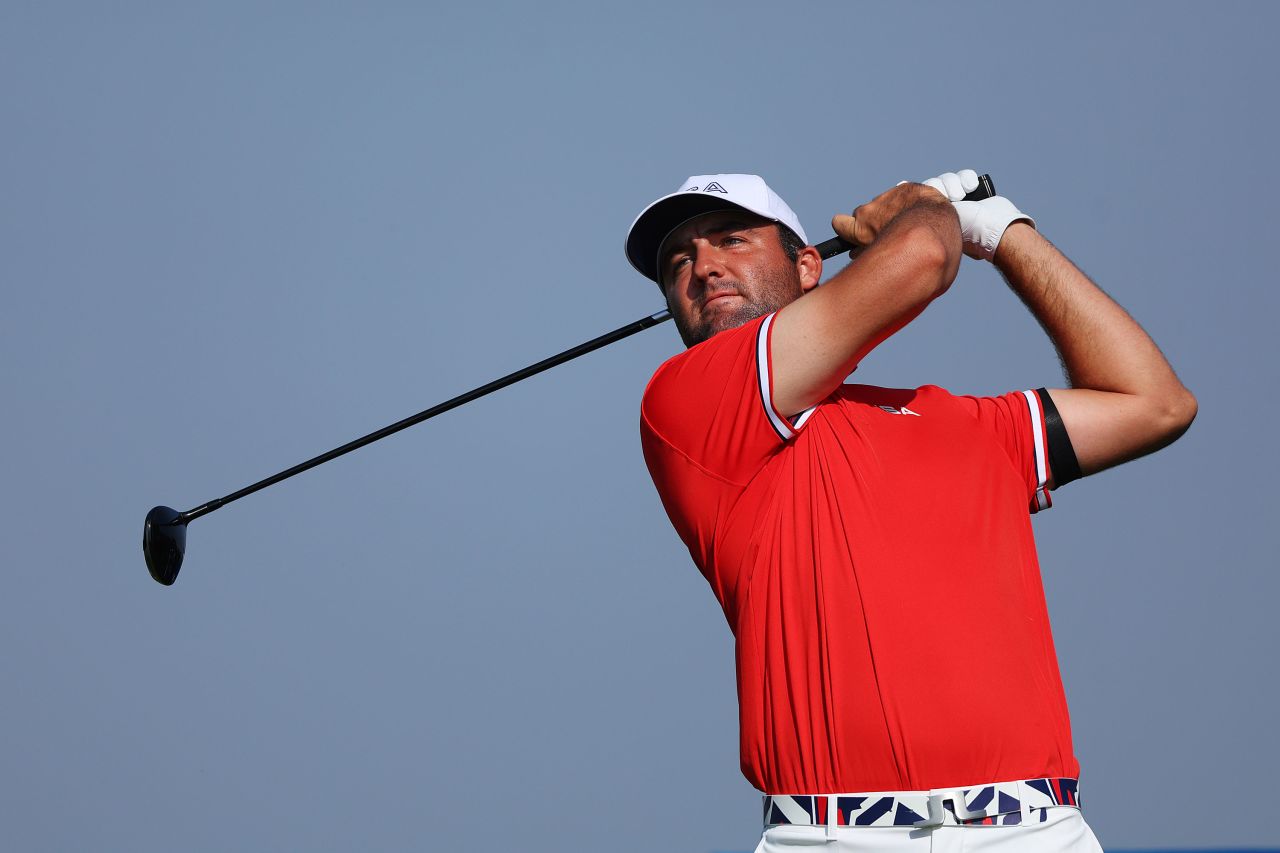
164	533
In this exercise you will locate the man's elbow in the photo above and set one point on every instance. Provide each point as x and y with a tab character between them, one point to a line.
935	259
1175	412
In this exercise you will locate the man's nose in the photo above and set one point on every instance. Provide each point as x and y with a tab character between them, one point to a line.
707	263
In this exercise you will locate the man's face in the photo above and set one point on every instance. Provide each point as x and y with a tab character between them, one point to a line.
724	269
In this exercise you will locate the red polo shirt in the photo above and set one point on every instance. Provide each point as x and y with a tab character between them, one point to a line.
875	561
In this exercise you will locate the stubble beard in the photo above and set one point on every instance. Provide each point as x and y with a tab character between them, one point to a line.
774	293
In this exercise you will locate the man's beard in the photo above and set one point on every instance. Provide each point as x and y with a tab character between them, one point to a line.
721	322
775	293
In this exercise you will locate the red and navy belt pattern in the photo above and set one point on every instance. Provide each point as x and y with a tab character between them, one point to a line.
1000	804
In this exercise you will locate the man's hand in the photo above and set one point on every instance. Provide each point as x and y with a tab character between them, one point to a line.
982	223
868	220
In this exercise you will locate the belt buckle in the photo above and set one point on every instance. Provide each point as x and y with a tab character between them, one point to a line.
938	813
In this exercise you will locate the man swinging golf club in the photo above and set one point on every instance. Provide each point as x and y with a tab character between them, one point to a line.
871	547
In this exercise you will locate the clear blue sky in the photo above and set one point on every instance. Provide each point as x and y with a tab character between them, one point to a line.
238	234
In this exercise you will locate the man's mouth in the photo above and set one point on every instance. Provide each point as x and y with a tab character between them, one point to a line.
717	296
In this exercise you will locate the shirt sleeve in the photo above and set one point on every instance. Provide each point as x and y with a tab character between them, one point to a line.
712	404
1017	422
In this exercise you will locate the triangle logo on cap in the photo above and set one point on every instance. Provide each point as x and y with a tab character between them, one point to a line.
713	187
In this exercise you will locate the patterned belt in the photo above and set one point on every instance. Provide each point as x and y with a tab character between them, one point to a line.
1000	804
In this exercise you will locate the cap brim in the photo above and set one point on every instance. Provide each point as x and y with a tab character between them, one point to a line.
662	217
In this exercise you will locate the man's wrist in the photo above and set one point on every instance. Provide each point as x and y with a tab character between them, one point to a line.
1020	234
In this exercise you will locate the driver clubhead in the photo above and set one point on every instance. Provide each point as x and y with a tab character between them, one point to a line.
164	541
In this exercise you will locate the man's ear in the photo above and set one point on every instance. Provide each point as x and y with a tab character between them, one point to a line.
809	265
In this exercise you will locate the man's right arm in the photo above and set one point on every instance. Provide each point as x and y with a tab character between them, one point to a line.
1125	399
910	250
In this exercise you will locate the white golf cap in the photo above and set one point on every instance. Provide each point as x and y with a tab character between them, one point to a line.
698	195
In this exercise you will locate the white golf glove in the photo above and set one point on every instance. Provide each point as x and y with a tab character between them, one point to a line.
982	223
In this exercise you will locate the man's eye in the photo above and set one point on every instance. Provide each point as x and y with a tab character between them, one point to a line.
676	263
733	240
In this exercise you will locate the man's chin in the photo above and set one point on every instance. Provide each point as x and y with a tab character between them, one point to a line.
734	316
723	320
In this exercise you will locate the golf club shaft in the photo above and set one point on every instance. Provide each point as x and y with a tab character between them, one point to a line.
474	394
828	249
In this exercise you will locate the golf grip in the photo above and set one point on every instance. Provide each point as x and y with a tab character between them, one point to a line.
836	245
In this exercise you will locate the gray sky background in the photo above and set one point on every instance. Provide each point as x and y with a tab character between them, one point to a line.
236	235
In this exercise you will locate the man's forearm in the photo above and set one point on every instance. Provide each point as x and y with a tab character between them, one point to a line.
912	260
911	241
1140	404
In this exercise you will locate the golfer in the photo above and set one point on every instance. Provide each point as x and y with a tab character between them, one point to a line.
871	547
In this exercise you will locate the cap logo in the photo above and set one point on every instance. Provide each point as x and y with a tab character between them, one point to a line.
713	187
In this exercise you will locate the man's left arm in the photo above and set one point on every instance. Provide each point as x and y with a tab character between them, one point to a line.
1125	400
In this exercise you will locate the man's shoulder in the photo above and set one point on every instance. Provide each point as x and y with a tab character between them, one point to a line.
707	407
716	354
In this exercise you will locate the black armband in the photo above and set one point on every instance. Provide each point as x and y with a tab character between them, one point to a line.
1062	456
